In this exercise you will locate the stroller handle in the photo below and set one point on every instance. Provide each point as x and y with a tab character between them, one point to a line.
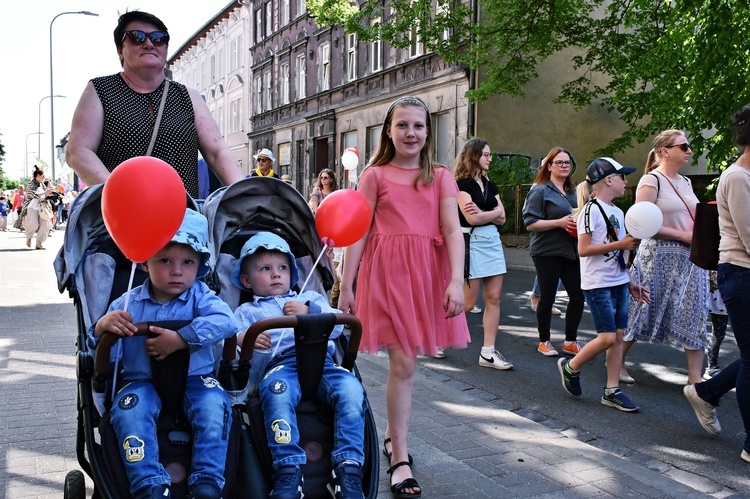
104	346
252	333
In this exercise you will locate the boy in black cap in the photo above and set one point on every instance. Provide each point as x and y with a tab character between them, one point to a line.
605	281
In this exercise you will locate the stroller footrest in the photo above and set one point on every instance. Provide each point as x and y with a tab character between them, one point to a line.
179	437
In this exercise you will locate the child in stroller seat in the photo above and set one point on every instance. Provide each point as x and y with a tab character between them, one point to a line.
267	268
172	292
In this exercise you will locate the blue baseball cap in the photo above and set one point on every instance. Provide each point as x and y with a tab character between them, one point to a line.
270	242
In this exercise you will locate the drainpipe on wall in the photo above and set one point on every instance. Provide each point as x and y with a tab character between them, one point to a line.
473	76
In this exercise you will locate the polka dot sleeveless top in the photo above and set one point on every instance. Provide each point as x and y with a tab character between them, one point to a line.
129	119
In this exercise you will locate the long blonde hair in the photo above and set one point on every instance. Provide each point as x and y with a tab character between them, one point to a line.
386	150
664	139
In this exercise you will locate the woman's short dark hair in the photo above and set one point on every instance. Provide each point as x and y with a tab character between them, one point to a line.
135	15
741	126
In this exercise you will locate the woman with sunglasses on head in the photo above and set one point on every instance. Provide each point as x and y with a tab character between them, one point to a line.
548	214
326	184
117	114
678	310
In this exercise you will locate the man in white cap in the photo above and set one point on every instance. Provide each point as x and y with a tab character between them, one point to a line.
264	159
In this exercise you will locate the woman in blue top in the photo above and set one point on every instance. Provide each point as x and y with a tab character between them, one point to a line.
548	214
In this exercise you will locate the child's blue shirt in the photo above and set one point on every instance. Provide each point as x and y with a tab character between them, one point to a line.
282	339
212	321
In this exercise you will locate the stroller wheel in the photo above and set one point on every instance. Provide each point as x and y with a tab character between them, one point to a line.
75	485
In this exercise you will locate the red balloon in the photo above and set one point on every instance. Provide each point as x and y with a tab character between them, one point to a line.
143	205
343	218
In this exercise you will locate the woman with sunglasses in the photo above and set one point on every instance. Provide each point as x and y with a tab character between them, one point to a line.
548	214
326	184
678	310
117	114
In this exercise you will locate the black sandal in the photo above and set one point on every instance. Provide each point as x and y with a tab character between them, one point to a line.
389	455
410	483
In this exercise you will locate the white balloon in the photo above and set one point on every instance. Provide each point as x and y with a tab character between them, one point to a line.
350	159
643	220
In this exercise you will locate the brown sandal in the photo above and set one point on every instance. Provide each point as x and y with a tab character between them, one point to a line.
397	489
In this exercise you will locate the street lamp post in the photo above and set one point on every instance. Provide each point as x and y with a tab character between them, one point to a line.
51	86
39	123
27	150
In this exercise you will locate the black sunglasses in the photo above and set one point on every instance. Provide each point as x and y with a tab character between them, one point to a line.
138	37
684	146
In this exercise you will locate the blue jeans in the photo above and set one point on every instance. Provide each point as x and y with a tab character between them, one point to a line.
734	285
134	414
340	389
609	307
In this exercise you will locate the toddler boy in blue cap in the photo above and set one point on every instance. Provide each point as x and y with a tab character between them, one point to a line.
172	292
267	268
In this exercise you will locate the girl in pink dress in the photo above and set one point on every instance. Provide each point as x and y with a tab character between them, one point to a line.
410	283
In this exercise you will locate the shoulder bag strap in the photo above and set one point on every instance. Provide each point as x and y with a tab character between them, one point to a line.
159	114
679	196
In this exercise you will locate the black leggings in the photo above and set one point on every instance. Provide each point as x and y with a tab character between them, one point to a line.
550	269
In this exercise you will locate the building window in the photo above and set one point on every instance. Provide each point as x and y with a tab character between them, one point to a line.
235	110
416	47
444	138
258	25
258	89
268	91
375	51
220	70
284	6
213	69
373	139
324	61
269	18
204	76
442	9
284	90
236	61
301	7
351	56
301	80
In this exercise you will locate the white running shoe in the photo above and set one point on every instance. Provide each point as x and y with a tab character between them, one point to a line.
494	360
475	310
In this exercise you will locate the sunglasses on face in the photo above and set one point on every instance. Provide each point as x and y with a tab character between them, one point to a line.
262	160
138	37
685	146
324	178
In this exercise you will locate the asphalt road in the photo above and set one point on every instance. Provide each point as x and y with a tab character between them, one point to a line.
665	430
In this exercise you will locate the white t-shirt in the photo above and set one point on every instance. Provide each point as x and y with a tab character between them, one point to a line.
602	271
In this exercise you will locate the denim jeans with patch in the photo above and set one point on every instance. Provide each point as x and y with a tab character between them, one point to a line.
280	394
135	411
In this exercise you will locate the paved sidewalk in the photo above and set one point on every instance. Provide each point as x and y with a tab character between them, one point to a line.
465	442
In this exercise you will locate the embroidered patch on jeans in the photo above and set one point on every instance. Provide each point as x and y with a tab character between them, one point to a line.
282	432
210	382
135	449
278	387
128	401
277	368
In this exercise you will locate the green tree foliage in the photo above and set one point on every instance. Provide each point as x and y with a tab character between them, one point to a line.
657	64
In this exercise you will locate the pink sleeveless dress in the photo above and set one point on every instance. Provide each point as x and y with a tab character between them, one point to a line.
405	268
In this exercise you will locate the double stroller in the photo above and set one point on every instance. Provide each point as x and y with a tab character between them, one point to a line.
94	272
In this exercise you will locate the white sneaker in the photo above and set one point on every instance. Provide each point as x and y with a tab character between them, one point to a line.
705	412
439	353
494	360
475	310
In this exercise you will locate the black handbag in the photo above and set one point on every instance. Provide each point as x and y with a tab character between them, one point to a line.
467	254
704	249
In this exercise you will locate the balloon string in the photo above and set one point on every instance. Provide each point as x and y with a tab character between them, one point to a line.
309	275
119	343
